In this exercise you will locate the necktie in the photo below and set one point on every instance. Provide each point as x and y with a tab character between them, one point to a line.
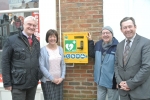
126	51
30	40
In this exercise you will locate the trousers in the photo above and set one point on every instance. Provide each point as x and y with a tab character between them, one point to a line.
103	91
23	94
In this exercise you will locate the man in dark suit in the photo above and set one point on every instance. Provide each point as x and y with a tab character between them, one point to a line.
132	65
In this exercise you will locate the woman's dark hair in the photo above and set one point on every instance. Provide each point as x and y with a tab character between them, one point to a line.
51	32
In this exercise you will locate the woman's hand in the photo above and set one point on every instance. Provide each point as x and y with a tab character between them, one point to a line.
55	81
59	80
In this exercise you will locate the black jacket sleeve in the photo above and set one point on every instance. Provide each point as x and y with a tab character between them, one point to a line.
6	65
91	51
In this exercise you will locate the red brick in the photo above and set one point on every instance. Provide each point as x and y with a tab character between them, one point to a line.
65	91
95	92
74	91
80	79
92	20
87	67
84	8
79	71
73	17
93	4
87	92
71	1
72	9
96	33
66	13
87	83
86	17
68	95
92	96
97	16
73	75
67	22
78	13
92	88
72	26
90	71
74	83
87	75
80	96
68	87
85	0
67	30
77	30
73	98
80	87
80	21
98	25
68	79
69	71
95	12
90	79
85	25
66	83
94	28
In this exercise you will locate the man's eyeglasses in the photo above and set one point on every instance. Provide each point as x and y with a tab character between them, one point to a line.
107	33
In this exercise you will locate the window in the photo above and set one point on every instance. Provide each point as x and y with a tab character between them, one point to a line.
12	22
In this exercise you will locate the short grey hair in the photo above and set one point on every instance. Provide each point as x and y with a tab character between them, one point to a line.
30	18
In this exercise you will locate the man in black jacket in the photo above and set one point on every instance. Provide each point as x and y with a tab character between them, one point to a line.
20	64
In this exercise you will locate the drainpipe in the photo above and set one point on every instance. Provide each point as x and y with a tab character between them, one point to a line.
60	21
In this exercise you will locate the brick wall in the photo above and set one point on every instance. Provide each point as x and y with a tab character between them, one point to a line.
79	16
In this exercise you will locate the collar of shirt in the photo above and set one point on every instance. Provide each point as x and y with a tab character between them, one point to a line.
131	41
26	34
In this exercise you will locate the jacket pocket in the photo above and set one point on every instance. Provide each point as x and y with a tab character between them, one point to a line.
19	53
18	76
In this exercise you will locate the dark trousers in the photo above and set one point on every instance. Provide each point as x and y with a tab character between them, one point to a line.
23	94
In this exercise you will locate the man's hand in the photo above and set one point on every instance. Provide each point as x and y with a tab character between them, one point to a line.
8	88
124	86
89	36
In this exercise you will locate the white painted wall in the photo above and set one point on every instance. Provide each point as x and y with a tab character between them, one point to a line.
47	14
115	10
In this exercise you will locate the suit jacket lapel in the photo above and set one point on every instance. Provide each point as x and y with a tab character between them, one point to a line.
121	53
135	42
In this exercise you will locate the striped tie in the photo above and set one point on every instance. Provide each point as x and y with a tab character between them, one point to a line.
126	51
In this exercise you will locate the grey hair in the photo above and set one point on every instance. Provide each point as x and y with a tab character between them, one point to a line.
30	18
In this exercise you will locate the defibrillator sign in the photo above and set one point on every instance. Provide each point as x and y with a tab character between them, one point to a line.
75	47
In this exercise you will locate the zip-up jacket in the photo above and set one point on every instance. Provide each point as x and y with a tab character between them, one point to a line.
20	62
103	70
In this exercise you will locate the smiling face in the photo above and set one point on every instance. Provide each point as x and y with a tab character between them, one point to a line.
29	26
52	39
106	36
128	29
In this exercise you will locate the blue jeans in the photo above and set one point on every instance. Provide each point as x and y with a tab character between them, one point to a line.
103	91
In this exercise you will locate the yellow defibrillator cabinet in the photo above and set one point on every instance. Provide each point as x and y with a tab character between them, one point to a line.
75	47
